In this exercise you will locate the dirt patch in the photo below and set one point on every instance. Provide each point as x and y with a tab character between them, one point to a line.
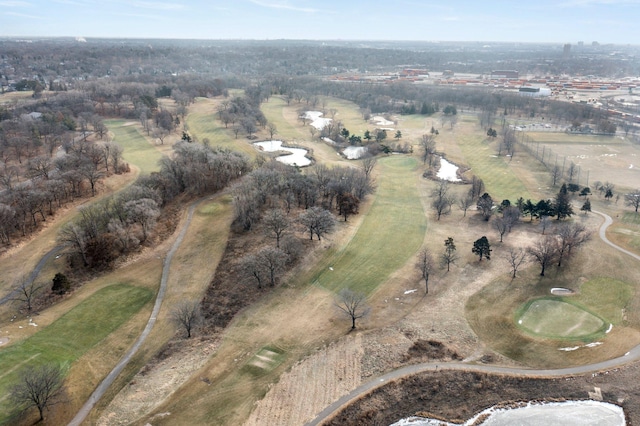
425	350
158	380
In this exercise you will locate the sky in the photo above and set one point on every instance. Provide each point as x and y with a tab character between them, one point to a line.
564	21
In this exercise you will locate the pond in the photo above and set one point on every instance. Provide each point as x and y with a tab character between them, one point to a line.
296	156
568	413
448	171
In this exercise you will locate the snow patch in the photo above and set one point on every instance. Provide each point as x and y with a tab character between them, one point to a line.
410	291
354	152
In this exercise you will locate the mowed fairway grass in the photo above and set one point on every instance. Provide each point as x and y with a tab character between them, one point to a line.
500	180
69	337
390	234
137	150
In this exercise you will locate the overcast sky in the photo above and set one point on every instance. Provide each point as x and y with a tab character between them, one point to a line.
568	21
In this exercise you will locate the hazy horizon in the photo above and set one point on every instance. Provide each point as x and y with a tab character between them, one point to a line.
569	21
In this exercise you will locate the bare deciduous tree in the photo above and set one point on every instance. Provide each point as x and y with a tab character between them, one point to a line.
544	251
632	199
442	201
428	145
516	258
276	224
570	235
501	226
75	238
352	304
318	221
272	129
39	387
368	164
27	291
464	203
425	265
143	211
187	315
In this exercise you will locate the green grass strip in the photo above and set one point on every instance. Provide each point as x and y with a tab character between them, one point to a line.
137	150
499	179
391	233
70	336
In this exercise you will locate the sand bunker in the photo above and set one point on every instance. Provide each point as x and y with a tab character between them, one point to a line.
559	291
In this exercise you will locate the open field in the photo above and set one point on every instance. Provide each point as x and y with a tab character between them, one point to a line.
70	336
606	158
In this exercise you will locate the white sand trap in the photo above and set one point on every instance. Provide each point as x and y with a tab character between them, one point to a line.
354	152
316	119
295	158
448	171
381	121
559	291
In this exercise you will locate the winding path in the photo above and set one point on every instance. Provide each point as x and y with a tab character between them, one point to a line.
632	355
109	379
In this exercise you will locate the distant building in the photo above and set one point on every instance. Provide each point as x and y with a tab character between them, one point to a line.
415	72
566	51
534	92
508	74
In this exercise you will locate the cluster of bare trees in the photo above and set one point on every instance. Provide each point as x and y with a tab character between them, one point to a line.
243	113
280	200
559	246
52	181
275	184
120	224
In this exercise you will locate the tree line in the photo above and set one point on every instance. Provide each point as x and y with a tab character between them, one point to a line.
120	224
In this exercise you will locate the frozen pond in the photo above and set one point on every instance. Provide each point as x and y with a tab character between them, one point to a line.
570	413
354	152
448	171
295	158
316	119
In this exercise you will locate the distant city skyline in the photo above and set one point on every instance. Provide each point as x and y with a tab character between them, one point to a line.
565	21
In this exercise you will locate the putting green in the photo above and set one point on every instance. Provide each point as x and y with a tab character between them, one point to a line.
558	319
